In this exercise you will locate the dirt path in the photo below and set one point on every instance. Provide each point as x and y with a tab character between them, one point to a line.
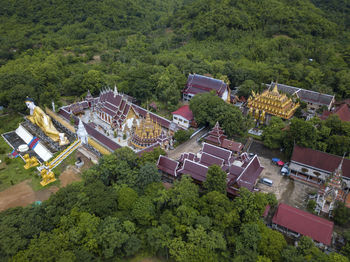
22	194
189	146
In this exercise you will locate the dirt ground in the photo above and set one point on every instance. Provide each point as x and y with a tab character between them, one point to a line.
287	191
22	194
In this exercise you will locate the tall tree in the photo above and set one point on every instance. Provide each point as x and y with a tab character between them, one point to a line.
215	180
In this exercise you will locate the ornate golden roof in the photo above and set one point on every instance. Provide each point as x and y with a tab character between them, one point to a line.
273	102
146	133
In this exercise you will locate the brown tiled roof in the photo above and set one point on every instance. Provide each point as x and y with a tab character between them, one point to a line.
232	145
304	223
320	160
167	165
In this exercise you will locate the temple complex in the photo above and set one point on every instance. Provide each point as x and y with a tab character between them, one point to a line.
112	121
270	102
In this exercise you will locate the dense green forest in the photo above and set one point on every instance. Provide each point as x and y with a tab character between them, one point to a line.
57	50
121	209
50	49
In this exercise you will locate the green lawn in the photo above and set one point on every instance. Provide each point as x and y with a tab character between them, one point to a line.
13	172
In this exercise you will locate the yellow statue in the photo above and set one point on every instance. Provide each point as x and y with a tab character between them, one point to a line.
39	118
47	176
30	161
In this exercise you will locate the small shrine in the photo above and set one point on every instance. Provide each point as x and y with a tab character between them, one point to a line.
270	102
331	192
216	135
146	133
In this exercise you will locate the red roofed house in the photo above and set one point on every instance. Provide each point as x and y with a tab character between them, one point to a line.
316	166
183	116
342	111
295	222
197	84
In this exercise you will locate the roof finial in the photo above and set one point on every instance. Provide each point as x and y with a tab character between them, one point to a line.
115	90
341	162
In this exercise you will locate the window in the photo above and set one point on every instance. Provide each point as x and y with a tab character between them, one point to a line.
175	117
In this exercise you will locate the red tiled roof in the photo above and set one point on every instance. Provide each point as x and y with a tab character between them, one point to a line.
167	165
342	111
185	112
200	84
209	160
266	212
250	174
320	160
319	229
197	171
101	138
213	139
160	120
232	145
217	151
236	170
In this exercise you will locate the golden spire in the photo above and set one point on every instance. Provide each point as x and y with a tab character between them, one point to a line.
275	90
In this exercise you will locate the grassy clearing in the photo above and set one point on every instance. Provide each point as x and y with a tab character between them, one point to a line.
9	122
12	171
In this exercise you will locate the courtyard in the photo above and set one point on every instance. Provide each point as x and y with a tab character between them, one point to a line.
288	191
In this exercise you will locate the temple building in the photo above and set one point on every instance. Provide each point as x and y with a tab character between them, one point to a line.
242	170
147	133
217	137
271	102
112	121
314	100
331	192
317	167
197	84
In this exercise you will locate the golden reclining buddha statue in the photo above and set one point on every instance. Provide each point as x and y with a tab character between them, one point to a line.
38	117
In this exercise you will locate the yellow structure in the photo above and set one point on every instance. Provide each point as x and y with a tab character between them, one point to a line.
48	177
30	161
38	117
146	133
271	102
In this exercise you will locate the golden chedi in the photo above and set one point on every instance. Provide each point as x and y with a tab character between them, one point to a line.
146	133
38	117
271	102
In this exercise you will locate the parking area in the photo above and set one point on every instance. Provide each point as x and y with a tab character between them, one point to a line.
287	191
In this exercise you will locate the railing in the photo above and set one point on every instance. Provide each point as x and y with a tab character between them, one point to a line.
64	154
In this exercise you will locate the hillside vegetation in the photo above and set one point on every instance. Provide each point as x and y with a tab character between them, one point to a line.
50	49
